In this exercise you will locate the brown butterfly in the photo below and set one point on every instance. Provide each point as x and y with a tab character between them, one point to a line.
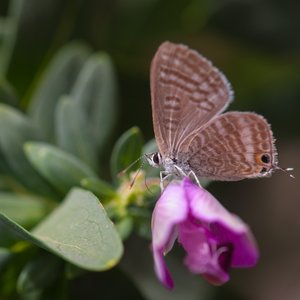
188	96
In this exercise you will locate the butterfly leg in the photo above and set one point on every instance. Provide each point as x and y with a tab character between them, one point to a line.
163	176
192	174
181	173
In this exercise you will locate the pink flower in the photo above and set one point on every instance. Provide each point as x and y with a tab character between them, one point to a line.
214	239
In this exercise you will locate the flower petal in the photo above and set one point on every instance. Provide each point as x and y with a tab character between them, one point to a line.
161	269
245	253
202	257
204	206
225	227
170	210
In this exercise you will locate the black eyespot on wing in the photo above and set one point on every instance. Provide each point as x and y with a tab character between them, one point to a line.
265	158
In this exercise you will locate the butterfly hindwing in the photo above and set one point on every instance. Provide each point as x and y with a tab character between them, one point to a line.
233	146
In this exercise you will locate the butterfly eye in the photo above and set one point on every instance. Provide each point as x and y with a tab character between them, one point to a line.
156	158
265	158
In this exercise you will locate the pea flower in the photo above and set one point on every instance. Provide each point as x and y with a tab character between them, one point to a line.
214	239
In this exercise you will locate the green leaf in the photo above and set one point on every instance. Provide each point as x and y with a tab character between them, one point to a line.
15	130
72	132
95	91
99	187
32	281
127	149
79	231
58	79
60	168
23	209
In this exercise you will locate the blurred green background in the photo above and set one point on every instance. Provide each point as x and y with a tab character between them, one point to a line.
257	46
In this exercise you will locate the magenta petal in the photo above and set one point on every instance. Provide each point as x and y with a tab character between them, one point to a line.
245	253
161	269
170	210
207	208
202	256
225	227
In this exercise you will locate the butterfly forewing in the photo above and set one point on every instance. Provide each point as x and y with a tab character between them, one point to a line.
187	91
233	146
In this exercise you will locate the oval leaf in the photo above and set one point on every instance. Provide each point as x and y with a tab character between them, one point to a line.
58	79
72	132
127	149
79	231
15	130
60	168
23	209
95	92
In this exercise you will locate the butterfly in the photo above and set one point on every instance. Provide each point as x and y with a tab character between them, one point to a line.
193	136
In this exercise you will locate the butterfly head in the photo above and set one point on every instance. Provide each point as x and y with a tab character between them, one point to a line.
154	159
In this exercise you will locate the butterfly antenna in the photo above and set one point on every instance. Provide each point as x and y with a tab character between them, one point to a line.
123	172
287	170
147	187
137	172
